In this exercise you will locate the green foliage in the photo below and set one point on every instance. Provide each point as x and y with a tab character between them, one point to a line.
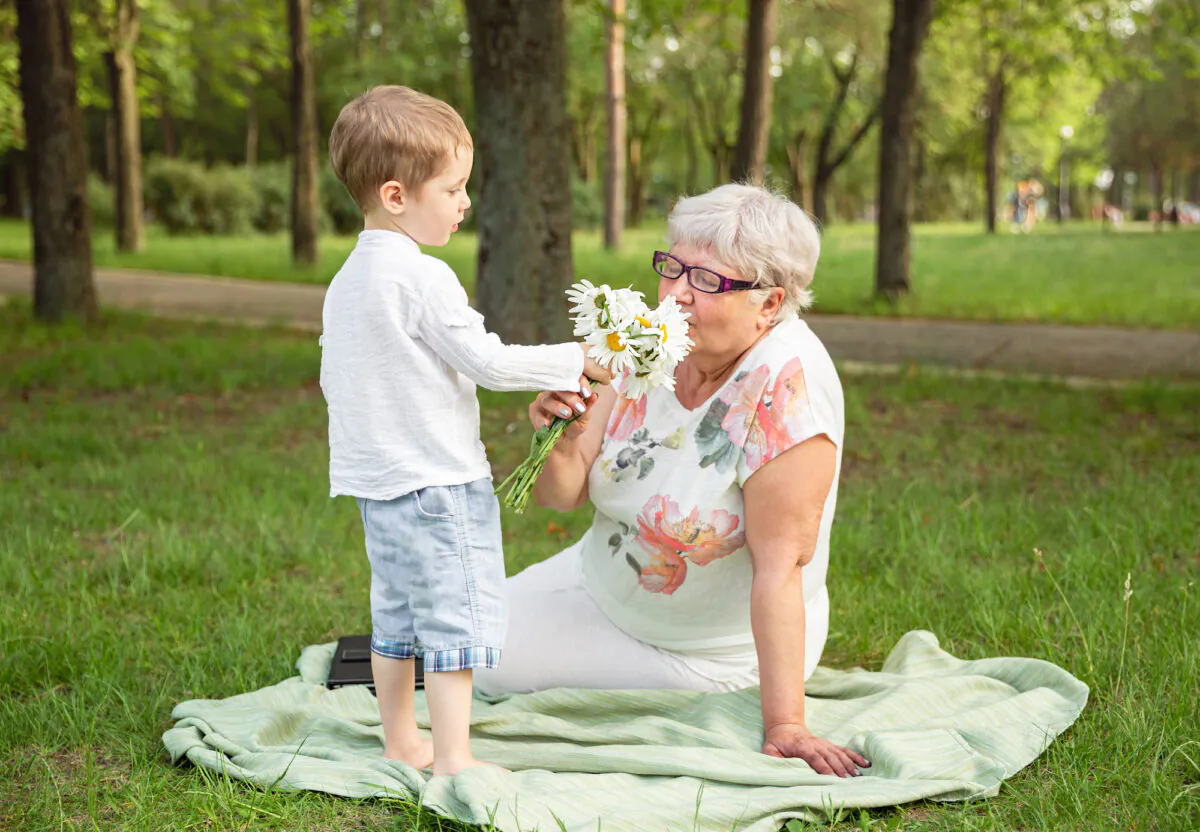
587	205
344	217
272	185
188	198
101	202
212	71
12	125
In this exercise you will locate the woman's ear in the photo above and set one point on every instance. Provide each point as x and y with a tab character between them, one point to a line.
771	305
391	196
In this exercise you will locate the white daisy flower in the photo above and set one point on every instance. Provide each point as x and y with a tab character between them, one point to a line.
623	305
610	349
671	322
582	296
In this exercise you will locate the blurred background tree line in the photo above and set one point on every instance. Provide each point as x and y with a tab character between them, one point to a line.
198	106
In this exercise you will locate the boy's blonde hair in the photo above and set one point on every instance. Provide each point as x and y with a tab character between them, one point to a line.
393	132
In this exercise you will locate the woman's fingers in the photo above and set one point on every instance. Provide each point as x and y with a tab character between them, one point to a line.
834	761
858	759
847	761
547	406
819	764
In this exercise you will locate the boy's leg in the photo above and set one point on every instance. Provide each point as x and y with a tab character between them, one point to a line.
395	688
449	698
386	526
459	614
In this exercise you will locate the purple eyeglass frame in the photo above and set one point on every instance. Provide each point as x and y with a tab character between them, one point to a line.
728	284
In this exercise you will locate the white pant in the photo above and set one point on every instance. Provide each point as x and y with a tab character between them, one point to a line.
558	637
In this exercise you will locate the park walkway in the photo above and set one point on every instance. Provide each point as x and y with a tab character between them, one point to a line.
1087	352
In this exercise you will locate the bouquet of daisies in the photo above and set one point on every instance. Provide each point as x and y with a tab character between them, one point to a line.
641	346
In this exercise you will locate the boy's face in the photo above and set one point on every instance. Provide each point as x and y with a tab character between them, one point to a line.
432	213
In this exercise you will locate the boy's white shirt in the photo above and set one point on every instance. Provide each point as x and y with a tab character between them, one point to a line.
401	354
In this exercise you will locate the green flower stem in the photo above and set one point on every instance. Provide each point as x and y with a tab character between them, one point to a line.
520	482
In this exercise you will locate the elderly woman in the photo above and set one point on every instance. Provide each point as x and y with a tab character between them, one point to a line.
704	568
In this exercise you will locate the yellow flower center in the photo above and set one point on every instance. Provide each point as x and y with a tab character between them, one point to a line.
663	327
614	342
643	321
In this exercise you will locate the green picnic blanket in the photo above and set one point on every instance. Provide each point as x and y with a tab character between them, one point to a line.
932	726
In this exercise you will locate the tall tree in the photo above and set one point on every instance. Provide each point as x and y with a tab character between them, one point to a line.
614	174
518	66
750	154
118	24
910	25
62	245
305	206
828	158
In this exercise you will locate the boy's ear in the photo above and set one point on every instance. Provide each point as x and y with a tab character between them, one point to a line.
392	197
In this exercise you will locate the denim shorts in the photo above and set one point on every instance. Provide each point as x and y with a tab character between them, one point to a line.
437	576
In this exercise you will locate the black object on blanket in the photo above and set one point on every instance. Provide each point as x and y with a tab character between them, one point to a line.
352	664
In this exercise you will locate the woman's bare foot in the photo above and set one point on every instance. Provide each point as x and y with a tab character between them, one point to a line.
449	768
418	756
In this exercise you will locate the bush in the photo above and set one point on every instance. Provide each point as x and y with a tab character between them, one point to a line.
587	208
273	190
188	198
343	215
101	201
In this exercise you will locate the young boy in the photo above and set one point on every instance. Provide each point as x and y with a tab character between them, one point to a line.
402	352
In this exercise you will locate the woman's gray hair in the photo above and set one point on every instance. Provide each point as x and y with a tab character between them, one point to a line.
766	237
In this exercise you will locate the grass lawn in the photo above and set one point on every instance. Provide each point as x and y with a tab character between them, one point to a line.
167	535
1077	274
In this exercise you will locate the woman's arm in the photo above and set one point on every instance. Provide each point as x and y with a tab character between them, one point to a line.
784	501
563	484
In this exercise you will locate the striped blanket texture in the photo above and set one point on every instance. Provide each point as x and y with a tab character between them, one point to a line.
933	726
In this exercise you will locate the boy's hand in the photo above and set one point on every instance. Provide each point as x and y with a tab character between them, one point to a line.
593	370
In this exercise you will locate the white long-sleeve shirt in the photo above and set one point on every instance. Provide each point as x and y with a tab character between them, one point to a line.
401	354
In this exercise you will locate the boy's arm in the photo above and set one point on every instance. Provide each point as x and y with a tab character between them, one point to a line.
456	332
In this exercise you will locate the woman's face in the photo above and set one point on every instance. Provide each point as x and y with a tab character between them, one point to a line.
722	325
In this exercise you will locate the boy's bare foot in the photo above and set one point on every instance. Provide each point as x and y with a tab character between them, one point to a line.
449	768
418	756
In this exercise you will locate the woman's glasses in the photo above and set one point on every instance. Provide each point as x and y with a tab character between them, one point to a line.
702	280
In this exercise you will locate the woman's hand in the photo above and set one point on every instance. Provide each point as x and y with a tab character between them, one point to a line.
822	755
564	405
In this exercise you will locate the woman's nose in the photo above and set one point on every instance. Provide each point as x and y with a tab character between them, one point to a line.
677	288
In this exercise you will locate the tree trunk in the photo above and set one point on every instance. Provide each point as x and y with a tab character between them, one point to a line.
995	116
360	29
382	9
166	128
691	183
750	156
122	79
1156	191
637	181
910	25
828	164
614	172
518	66
1176	196
252	130
57	156
797	154
14	193
304	130
108	171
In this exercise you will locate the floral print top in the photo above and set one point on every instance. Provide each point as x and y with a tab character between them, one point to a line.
666	555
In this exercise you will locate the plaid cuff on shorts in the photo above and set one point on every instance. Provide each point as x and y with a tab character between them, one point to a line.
448	661
395	649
